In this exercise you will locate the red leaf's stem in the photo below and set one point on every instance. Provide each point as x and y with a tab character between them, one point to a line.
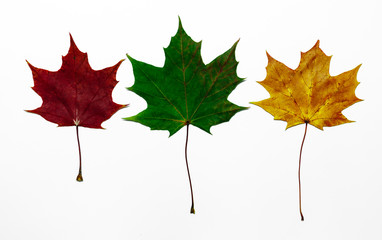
189	176
79	176
299	170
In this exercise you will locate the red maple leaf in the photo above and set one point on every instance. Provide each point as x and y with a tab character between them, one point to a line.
76	95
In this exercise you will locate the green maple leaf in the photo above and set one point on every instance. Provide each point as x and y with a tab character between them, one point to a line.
186	91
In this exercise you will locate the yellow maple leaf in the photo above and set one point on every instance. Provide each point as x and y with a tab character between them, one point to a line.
308	94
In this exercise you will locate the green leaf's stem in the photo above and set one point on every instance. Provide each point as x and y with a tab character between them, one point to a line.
299	170
188	172
79	176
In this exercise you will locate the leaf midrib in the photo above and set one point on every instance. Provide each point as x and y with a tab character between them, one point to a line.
184	75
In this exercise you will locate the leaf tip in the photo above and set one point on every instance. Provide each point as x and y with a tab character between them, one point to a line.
30	65
180	22
132	118
73	44
129	57
269	56
171	132
180	26
71	39
358	67
237	41
124	106
317	43
233	48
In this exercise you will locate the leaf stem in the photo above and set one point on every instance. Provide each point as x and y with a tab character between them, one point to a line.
188	172
79	176
299	172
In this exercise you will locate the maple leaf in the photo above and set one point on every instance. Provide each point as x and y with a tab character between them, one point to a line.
76	95
186	91
308	94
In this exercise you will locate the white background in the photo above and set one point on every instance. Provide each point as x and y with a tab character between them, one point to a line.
244	175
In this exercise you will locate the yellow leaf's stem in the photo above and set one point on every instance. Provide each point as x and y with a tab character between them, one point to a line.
188	172
299	171
79	176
